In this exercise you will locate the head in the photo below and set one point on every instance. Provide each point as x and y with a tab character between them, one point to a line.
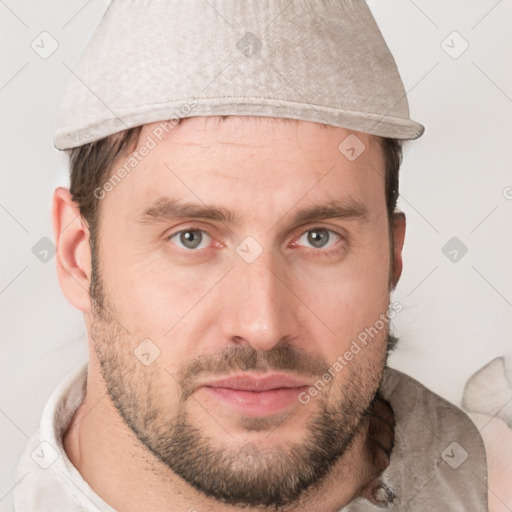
235	246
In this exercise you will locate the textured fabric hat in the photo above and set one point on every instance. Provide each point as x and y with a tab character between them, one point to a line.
313	60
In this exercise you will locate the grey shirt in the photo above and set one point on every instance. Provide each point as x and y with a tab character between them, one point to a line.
437	464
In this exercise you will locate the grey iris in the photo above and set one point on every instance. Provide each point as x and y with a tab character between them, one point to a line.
318	237
191	239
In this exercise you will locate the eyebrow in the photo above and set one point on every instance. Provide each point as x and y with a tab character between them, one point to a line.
337	209
168	208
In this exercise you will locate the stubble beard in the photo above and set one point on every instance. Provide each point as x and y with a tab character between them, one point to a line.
250	475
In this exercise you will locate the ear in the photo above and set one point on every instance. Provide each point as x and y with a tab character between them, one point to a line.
398	236
73	251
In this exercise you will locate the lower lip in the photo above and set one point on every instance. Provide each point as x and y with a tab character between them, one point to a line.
257	403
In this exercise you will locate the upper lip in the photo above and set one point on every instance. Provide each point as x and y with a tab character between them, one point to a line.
255	382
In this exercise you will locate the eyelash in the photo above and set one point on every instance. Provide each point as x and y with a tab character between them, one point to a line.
335	248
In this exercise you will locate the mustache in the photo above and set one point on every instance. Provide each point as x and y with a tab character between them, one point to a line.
245	358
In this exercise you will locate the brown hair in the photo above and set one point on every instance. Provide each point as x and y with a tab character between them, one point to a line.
92	164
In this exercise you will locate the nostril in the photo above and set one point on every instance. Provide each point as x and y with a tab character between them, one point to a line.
238	340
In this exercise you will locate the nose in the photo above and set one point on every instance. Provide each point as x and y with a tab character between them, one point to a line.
262	310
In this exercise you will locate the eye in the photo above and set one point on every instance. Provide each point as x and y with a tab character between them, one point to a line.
190	239
319	238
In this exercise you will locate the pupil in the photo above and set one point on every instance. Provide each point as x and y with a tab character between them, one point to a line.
318	237
191	239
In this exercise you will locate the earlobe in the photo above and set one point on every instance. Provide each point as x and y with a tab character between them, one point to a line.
399	237
73	251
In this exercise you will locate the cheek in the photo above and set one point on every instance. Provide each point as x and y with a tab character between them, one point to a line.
153	302
164	303
350	296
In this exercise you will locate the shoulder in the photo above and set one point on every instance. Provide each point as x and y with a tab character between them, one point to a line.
417	405
438	462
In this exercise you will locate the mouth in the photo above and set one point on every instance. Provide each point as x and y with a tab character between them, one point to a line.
255	395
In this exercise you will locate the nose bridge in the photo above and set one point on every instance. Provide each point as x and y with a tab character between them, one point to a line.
262	305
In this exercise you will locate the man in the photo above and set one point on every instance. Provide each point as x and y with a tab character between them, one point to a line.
231	238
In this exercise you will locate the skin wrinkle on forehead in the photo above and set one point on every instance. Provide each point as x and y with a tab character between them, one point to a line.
304	135
210	123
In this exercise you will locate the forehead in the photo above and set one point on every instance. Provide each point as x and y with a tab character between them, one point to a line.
251	131
249	161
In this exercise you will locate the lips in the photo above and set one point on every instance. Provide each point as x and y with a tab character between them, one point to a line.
257	383
255	395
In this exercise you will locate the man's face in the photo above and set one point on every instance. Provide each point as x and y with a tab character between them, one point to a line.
245	306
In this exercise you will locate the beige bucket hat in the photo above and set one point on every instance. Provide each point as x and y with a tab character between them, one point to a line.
313	60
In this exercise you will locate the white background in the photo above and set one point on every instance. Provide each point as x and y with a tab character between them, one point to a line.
456	317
